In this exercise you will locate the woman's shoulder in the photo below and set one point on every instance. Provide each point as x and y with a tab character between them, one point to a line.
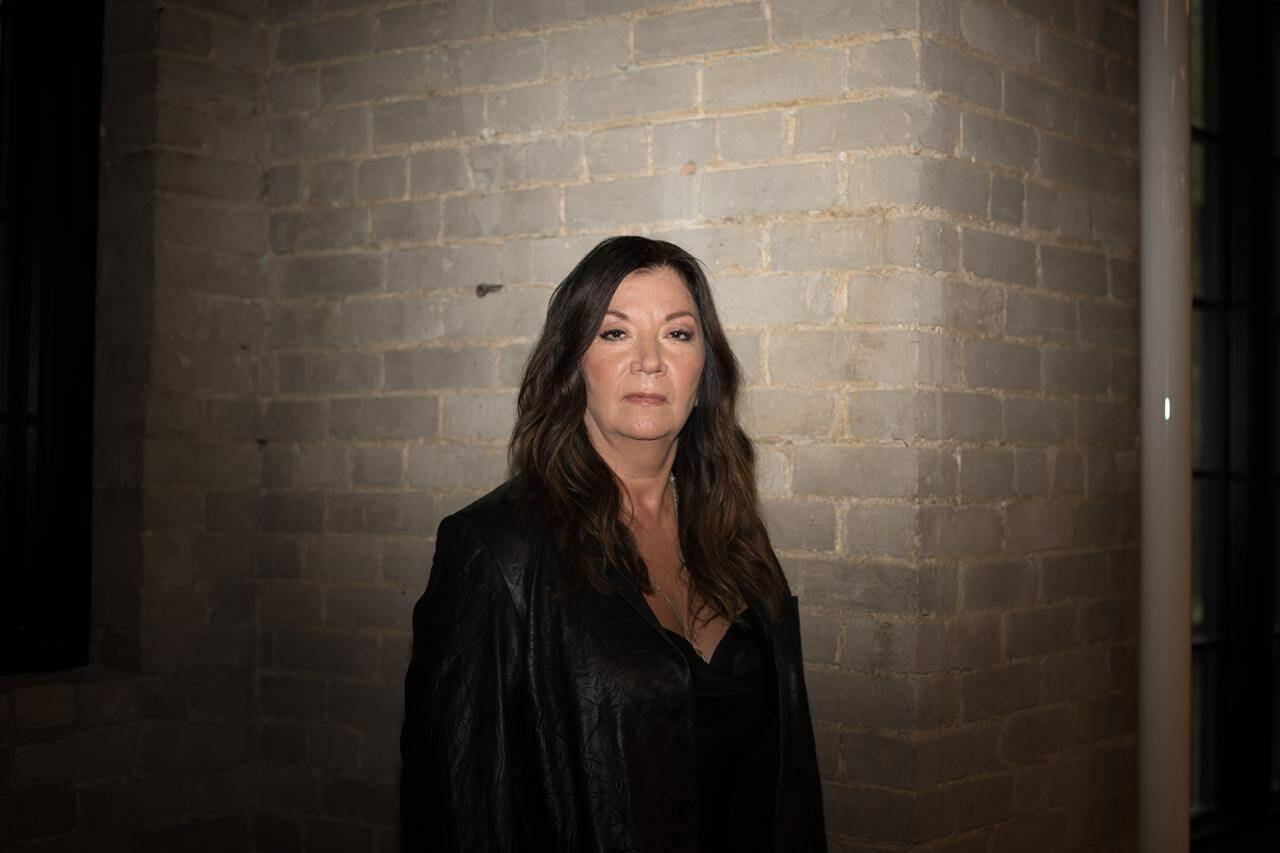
505	521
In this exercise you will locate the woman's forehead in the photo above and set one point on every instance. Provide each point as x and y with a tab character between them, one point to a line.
660	291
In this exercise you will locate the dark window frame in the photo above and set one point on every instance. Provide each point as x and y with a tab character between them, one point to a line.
1242	91
50	93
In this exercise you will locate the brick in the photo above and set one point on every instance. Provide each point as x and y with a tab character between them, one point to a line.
331	275
413	222
207	177
319	651
800	524
994	140
955	531
1115	223
1032	421
1109	324
827	244
926	244
428	24
526	109
44	706
630	93
318	229
509	313
1035	732
1045	629
876	123
1073	271
1108	423
377	466
1031	477
334	181
880	529
367	606
1109	124
444	467
782	77
540	260
494	63
1007	197
1029	314
467	367
998	691
391	319
284	185
77	758
323	40
813	357
995	364
371	79
809	20
597	205
1072	63
892	414
720	247
438	170
296	90
864	699
818	636
1065	211
479	416
779	412
1070	163
295	323
969	417
430	120
501	214
857	471
999	257
677	144
994	31
1075	675
433	268
758	136
1050	11
380	513
382	178
946	183
885	62
946	69
769	189
615	151
495	166
699	31
178	32
1073	371
998	585
589	50
1038	525
179	80
986	473
206	272
384	417
782	299
327	371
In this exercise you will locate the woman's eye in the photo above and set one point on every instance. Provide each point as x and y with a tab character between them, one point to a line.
682	335
612	334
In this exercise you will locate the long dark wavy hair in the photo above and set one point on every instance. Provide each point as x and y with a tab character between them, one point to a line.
724	542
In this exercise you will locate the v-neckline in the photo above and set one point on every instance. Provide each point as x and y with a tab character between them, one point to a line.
709	661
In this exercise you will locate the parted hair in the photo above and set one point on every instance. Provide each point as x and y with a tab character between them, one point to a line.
722	536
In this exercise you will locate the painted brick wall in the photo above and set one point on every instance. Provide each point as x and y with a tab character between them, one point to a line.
920	219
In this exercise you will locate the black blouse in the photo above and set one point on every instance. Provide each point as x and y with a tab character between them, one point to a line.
736	737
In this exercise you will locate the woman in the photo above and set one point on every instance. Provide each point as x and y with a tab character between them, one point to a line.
607	656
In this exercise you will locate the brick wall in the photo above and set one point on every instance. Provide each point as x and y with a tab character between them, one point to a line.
920	219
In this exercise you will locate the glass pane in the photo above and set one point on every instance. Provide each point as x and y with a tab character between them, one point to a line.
1237	392
1208	554
1208	356
1206	183
1203	733
1275	715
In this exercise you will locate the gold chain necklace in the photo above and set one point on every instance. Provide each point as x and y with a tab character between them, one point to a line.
684	569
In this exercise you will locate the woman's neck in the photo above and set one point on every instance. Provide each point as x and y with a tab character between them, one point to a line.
644	470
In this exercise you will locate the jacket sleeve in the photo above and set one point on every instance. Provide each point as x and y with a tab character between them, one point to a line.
457	782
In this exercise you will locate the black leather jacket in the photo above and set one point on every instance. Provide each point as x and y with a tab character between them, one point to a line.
535	726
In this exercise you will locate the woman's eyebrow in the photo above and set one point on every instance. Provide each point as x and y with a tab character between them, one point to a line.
668	318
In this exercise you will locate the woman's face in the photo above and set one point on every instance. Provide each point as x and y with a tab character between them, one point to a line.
642	369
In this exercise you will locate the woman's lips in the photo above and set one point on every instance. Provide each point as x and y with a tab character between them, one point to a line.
645	399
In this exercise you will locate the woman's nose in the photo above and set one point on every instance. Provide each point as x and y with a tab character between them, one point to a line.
648	357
